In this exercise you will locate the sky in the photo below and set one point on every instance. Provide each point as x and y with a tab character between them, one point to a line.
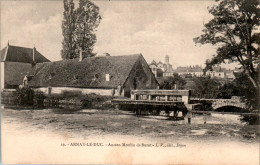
152	28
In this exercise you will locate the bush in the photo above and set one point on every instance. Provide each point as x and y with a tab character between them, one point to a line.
29	97
170	82
39	99
53	100
251	120
25	96
93	100
205	87
69	94
76	98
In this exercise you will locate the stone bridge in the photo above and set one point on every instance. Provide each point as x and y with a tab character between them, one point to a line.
218	103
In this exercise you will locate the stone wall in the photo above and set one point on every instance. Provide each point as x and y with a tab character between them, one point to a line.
59	90
8	97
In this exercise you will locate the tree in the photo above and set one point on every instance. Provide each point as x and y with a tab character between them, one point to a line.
68	28
234	30
170	82
87	20
244	88
205	87
228	90
78	28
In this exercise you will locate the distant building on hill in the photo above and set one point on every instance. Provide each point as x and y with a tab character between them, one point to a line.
230	75
197	71
16	63
189	71
223	73
99	75
162	69
158	72
216	72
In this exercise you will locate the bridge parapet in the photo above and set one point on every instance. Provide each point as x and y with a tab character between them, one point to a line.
235	101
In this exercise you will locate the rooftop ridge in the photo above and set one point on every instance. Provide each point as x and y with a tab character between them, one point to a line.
118	67
19	46
12	53
77	59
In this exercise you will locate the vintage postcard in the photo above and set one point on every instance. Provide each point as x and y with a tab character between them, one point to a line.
130	82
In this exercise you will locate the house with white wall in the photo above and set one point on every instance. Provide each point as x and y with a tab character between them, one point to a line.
161	69
16	63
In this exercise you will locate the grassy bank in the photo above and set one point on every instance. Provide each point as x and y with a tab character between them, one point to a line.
77	100
72	100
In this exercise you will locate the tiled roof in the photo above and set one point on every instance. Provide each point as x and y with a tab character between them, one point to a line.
15	71
90	72
2	53
21	54
153	63
160	62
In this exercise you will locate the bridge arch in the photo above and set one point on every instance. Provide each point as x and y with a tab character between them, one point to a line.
228	103
228	108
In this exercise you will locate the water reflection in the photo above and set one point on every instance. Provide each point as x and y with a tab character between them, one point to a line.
214	118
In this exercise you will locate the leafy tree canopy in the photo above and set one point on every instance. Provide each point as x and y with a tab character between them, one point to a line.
234	29
171	82
78	28
243	87
87	21
205	87
68	28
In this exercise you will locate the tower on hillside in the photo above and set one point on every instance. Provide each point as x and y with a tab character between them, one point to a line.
166	59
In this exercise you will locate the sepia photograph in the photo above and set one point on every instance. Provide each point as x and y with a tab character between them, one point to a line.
130	82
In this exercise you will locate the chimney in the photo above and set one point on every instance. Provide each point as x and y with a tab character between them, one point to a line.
80	55
6	51
34	51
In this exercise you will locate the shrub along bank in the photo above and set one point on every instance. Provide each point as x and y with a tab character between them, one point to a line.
68	99
77	100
